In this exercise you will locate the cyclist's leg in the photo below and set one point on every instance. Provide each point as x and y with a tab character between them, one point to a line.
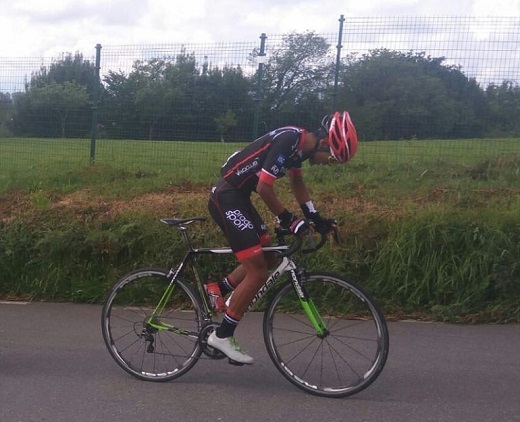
229	207
235	277
242	226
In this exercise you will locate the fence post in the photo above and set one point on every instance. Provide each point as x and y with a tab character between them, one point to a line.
261	61
338	62
95	101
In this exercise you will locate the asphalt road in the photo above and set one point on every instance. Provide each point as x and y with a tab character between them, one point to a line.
54	367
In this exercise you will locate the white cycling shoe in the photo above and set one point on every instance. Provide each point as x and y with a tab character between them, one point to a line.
230	348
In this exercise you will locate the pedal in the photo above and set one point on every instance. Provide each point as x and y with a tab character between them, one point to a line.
235	363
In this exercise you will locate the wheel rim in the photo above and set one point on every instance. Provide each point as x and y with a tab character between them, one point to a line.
346	358
149	349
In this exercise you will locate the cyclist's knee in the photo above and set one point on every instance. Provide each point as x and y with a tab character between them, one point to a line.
256	269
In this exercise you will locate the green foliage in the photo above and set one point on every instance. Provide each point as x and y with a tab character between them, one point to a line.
390	94
63	259
437	237
297	72
395	95
167	98
225	122
62	99
439	260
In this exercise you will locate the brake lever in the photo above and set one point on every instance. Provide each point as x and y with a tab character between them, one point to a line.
310	243
335	232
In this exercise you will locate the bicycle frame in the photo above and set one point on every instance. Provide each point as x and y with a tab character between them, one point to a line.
287	265
158	324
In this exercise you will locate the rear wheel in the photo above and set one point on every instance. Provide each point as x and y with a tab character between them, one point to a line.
343	360
157	347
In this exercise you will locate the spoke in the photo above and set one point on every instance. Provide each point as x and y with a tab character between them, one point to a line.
132	331
353	349
333	349
307	337
312	358
350	353
124	319
301	351
335	364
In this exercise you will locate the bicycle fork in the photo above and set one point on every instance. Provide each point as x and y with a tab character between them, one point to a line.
307	303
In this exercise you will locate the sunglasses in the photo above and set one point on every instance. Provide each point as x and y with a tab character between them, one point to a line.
331	159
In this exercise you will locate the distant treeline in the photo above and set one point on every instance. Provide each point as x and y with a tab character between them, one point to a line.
390	94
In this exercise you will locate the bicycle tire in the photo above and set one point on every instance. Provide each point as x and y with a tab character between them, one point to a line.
128	334
351	354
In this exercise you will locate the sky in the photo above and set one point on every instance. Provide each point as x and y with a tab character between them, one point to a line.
39	28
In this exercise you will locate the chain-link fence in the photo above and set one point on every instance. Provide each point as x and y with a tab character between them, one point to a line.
402	78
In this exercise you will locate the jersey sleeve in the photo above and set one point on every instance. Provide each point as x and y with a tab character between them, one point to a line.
280	157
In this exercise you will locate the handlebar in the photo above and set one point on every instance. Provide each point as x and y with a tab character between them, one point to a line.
281	233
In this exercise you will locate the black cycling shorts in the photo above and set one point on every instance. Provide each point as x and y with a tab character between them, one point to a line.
241	223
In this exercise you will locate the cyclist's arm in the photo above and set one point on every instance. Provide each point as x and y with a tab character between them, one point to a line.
298	186
283	146
266	191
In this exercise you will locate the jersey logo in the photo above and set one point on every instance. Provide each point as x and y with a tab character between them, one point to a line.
247	167
239	220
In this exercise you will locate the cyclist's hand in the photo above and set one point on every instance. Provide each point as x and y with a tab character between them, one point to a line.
323	225
289	221
299	226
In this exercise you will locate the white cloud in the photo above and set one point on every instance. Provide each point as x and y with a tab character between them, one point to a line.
32	28
36	28
496	8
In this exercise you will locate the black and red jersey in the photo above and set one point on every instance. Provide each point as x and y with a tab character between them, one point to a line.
267	158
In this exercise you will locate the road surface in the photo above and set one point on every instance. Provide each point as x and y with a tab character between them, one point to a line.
54	367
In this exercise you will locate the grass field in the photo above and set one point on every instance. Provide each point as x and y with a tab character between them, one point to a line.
432	228
33	164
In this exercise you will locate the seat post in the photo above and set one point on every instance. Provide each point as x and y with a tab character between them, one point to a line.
185	237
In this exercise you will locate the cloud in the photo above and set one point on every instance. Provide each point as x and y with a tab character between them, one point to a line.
508	8
36	29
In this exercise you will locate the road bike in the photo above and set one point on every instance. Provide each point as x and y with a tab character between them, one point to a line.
325	334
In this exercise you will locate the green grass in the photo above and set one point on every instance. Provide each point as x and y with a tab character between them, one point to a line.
64	165
430	227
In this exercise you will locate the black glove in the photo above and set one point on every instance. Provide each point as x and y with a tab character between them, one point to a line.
322	225
289	221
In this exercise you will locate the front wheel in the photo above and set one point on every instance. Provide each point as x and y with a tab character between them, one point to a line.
346	356
151	327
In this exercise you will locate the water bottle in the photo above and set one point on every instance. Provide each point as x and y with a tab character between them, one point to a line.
215	295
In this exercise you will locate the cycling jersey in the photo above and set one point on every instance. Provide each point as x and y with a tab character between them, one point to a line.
268	158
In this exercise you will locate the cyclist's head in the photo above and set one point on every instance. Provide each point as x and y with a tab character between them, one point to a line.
341	135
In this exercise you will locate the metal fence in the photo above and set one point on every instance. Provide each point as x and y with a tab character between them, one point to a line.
486	50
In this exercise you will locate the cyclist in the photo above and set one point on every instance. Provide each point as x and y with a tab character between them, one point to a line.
256	168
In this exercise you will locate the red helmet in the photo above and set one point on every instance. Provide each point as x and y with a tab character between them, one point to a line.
342	137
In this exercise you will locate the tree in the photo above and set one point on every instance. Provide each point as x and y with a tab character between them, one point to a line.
225	122
153	101
61	99
299	69
220	89
118	112
71	68
395	95
172	98
36	113
6	111
504	109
